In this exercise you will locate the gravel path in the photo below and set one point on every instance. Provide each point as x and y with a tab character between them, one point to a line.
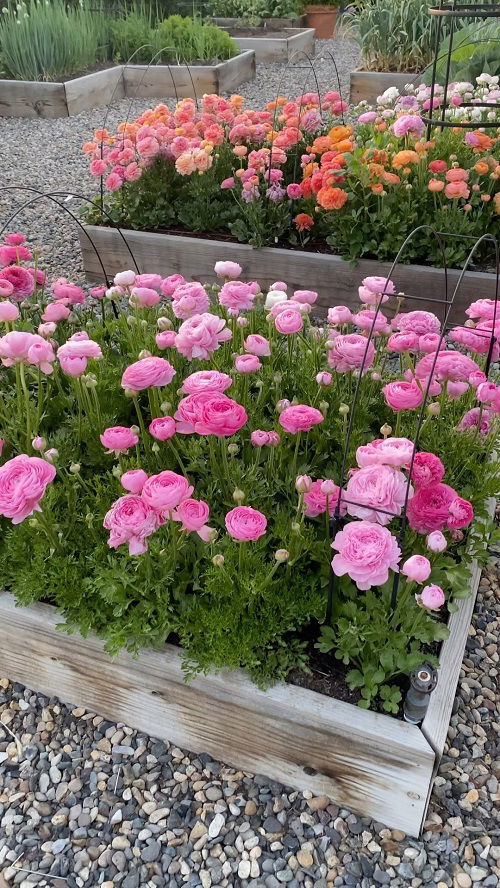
86	802
46	154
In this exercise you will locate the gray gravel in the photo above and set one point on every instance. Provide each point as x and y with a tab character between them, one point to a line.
46	154
94	803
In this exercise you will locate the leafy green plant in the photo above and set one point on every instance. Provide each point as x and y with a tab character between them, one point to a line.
187	40
51	41
394	35
255	11
476	50
132	36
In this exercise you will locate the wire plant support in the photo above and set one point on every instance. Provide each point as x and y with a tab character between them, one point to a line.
455	12
393	305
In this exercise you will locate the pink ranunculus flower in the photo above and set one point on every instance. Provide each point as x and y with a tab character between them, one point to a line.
417	568
483	309
259	438
170	284
461	514
201	335
339	314
245	524
288	321
427	469
131	520
134	480
10	253
307	297
471	419
162	428
255	344
166	491
315	500
303	483
220	416
41	354
402	395
419	322
324	378
190	299
430	343
229	270
73	366
79	346
371	320
436	541
408	123
8	312
299	418
431	598
47	330
477	378
193	515
448	365
143	297
396	452
237	296
455	390
247	363
23	482
125	278
14	346
62	289
23	283
403	342
376	493
429	508
165	339
147	373
486	392
15	239
351	352
206	381
118	439
152	281
56	311
378	285
366	553
6	288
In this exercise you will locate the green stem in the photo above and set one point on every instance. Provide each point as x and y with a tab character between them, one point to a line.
295	455
26	403
142	426
240	560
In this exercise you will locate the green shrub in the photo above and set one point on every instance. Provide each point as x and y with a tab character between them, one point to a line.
131	33
255	10
476	50
394	35
189	40
50	41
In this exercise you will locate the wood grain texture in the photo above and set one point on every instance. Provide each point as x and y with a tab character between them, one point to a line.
24	98
368	85
94	90
165	81
283	48
437	719
335	280
371	763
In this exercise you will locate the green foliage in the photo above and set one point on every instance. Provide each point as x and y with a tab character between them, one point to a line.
175	40
476	50
132	36
394	35
255	11
51	41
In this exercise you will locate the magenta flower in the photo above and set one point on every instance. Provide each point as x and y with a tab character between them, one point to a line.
147	373
118	439
245	524
131	520
300	418
162	428
23	482
134	480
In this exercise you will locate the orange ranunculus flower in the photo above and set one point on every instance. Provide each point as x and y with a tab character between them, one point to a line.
339	133
303	222
403	158
306	188
457	174
331	198
390	178
435	185
481	167
378	188
380	156
483	142
496	201
376	170
309	169
345	146
381	127
321	144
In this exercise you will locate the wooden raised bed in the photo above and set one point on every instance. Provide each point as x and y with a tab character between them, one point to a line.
273	24
368	85
335	280
281	45
377	765
20	98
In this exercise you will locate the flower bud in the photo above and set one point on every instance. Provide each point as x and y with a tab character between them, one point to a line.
434	409
129	393
89	380
164	323
218	560
295	527
32	522
386	430
51	455
38	443
282	555
144	354
328	487
131	320
165	406
376	376
144	324
324	378
114	293
242	322
238	496
436	541
303	483
117	471
233	449
277	378
135	429
155	447
344	409
323	406
282	405
75	468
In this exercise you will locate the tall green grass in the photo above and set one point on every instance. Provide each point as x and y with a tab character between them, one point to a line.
394	35
42	40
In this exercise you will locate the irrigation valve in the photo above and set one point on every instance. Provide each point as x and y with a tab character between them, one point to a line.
422	682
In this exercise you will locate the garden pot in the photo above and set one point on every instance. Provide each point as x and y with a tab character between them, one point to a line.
335	280
323	19
368	85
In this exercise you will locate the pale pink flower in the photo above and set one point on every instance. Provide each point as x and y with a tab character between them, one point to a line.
170	284
147	373
190	299
259	438
303	483
376	493
455	390
371	320
56	311
308	297
378	285
41	354
8	312
436	541
289	321
125	278
47	330
255	344
366	553
324	378
201	335
417	568
396	452
6	288
339	314
165	339
118	439
206	381
152	281
131	520
299	418
351	352
143	297
486	392
73	295
134	480
419	322
237	296
247	364
431	598
245	524
23	482
229	270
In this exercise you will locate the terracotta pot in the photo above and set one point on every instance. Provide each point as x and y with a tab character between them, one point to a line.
323	19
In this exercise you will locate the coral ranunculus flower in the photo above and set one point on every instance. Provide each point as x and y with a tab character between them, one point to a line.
404	158
331	198
303	222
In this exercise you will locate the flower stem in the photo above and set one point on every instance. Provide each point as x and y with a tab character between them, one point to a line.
26	403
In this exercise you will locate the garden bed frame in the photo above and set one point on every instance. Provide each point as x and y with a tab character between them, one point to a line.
368	85
289	45
377	765
22	98
335	280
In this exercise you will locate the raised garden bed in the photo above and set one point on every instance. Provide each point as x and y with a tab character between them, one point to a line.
375	764
36	99
368	85
274	44
274	24
333	278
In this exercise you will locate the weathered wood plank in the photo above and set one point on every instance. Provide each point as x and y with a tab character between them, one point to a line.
235	71
94	90
374	764
164	81
437	719
335	280
24	98
289	44
368	85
